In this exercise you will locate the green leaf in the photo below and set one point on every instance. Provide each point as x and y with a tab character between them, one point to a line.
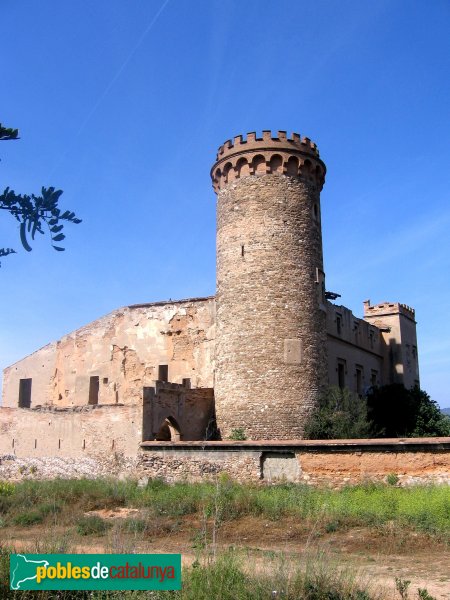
23	237
59	238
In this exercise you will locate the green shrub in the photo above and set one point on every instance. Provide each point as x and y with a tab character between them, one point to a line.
238	434
6	488
392	479
28	518
92	525
339	415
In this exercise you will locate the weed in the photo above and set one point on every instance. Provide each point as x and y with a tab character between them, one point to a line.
238	434
6	488
424	595
392	479
134	525
402	585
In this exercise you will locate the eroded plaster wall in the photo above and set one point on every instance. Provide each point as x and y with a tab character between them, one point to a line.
73	442
123	350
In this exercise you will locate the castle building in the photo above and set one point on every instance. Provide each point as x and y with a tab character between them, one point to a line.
255	357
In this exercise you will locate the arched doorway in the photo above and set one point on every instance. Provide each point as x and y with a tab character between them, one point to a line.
169	431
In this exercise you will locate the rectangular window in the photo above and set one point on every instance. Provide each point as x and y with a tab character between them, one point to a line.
94	384
341	373
187	382
359	380
339	324
25	393
163	372
373	377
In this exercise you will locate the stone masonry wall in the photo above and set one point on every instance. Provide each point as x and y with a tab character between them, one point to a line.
271	317
333	463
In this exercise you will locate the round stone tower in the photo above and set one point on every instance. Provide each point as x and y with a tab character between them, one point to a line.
271	316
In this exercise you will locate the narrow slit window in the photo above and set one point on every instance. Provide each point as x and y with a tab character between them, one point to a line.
341	374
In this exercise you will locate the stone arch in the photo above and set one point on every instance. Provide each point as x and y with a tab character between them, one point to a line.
259	165
292	166
307	168
242	167
169	431
276	164
217	176
319	173
228	172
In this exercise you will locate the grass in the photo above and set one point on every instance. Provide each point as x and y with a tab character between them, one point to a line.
425	508
64	505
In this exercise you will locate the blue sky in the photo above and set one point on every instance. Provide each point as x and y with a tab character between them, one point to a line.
122	104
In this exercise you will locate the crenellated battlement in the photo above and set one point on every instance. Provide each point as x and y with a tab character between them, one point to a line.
260	155
253	141
388	308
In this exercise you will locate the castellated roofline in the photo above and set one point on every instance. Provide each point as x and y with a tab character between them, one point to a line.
294	156
388	308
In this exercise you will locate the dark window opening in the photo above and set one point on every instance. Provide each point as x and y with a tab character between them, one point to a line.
341	375
25	393
93	389
105	380
359	381
242	250
163	372
339	324
187	382
373	377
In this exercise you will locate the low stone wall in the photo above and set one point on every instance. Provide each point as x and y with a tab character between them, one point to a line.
329	462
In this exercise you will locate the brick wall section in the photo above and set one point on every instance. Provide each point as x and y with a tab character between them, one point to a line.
270	313
331	463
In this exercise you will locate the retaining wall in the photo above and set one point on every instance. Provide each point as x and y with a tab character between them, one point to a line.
324	462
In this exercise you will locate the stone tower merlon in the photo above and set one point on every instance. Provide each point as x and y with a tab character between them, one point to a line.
397	323
294	156
271	357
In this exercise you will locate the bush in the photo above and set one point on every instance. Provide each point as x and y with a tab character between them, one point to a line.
398	412
92	525
340	415
29	518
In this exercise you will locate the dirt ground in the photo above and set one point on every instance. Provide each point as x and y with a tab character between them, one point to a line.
376	555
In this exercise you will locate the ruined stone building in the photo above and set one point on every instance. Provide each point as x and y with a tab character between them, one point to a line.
255	357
